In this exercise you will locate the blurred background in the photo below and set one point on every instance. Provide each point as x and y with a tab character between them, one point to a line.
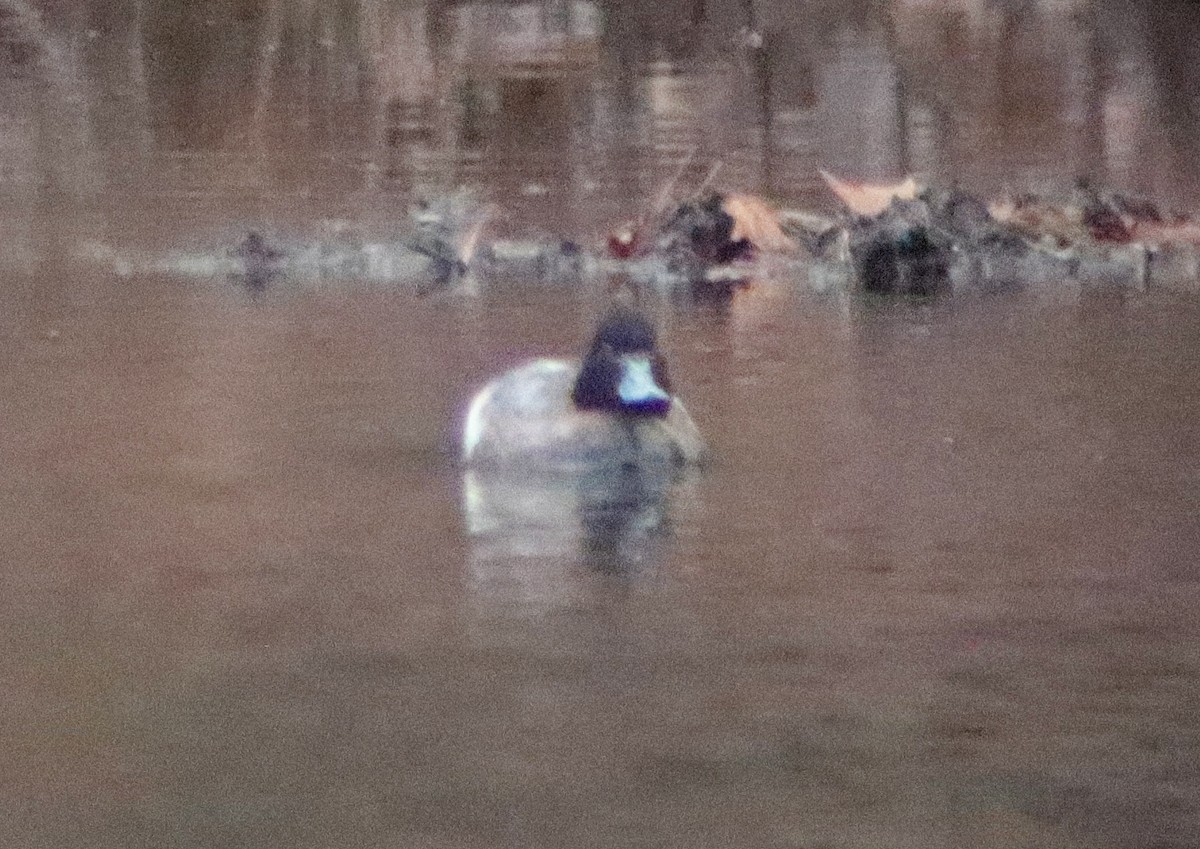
243	102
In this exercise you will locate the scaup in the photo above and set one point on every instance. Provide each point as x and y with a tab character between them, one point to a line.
615	408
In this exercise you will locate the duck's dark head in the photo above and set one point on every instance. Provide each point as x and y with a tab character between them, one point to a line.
623	371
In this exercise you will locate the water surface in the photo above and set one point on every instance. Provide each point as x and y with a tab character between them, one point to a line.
936	589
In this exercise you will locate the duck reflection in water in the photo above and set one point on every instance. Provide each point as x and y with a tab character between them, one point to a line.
577	459
528	534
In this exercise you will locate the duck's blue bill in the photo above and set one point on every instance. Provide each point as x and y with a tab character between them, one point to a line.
638	390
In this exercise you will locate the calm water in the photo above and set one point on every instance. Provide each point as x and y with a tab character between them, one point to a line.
937	589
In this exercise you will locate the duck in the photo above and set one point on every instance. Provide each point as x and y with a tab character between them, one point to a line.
448	231
260	260
614	409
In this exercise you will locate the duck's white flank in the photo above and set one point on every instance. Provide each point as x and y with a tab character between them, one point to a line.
527	397
473	428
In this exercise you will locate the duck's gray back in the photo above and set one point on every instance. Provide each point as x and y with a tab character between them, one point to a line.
525	419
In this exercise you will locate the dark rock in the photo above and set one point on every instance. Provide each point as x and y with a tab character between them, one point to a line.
898	252
698	234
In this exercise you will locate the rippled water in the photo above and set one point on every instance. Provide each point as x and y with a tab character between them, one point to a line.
937	588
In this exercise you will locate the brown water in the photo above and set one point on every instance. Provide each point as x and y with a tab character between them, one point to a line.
937	589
